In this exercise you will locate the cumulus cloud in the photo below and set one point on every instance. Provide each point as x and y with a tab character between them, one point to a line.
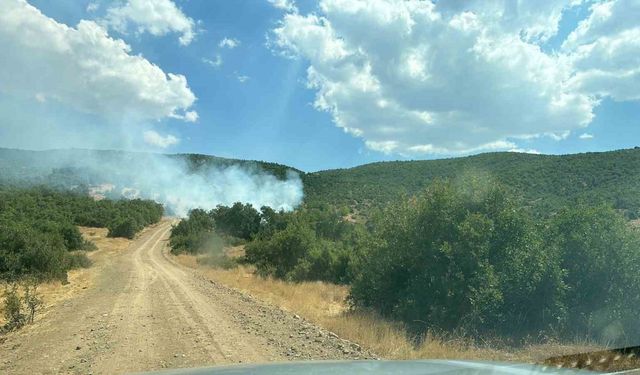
585	136
287	5
157	17
229	43
605	51
416	77
84	68
534	21
154	138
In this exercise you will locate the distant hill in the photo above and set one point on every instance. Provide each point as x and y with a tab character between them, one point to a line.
544	181
75	166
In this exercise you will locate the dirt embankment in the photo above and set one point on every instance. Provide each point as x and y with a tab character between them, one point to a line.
138	310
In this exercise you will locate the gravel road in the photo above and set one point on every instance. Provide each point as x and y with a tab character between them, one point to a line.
146	312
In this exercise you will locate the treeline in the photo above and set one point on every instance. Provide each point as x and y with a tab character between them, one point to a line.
462	256
38	233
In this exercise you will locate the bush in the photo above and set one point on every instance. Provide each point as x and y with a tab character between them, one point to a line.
457	258
472	259
20	311
309	248
32	301
191	234
13	314
599	253
39	228
24	251
72	237
239	220
280	254
124	227
77	260
234	225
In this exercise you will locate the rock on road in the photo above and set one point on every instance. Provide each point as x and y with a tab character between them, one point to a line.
145	312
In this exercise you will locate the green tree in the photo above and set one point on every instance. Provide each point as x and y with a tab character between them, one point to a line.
600	258
453	258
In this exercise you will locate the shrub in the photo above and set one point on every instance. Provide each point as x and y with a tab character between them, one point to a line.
124	227
13	313
599	253
239	220
32	301
461	258
24	251
39	228
77	260
280	254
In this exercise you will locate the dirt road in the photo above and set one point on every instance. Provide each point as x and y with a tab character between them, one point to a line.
146	312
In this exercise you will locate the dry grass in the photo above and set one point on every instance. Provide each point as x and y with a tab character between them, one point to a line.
56	292
324	304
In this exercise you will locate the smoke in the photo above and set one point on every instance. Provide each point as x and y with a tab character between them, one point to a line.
177	182
68	86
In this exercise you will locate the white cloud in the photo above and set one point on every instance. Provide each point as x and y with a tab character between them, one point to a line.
605	51
153	138
191	116
229	43
414	77
242	78
92	7
534	21
40	97
586	136
157	17
287	5
217	62
84	68
525	151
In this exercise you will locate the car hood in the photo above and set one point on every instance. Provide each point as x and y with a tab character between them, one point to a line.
423	367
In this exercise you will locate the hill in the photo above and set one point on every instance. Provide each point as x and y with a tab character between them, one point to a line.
76	166
543	181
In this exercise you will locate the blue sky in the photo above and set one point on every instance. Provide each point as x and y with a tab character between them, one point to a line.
257	104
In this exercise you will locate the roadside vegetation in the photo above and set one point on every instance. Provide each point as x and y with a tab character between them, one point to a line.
463	258
20	309
40	239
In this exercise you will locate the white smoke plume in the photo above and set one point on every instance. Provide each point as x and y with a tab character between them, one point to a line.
168	179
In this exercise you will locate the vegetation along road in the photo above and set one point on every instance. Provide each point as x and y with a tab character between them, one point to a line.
145	312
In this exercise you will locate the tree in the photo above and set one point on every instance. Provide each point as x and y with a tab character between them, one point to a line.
600	258
459	257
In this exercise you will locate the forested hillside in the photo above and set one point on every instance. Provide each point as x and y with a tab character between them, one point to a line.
544	181
78	167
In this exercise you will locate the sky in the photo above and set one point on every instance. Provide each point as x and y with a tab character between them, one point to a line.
321	84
